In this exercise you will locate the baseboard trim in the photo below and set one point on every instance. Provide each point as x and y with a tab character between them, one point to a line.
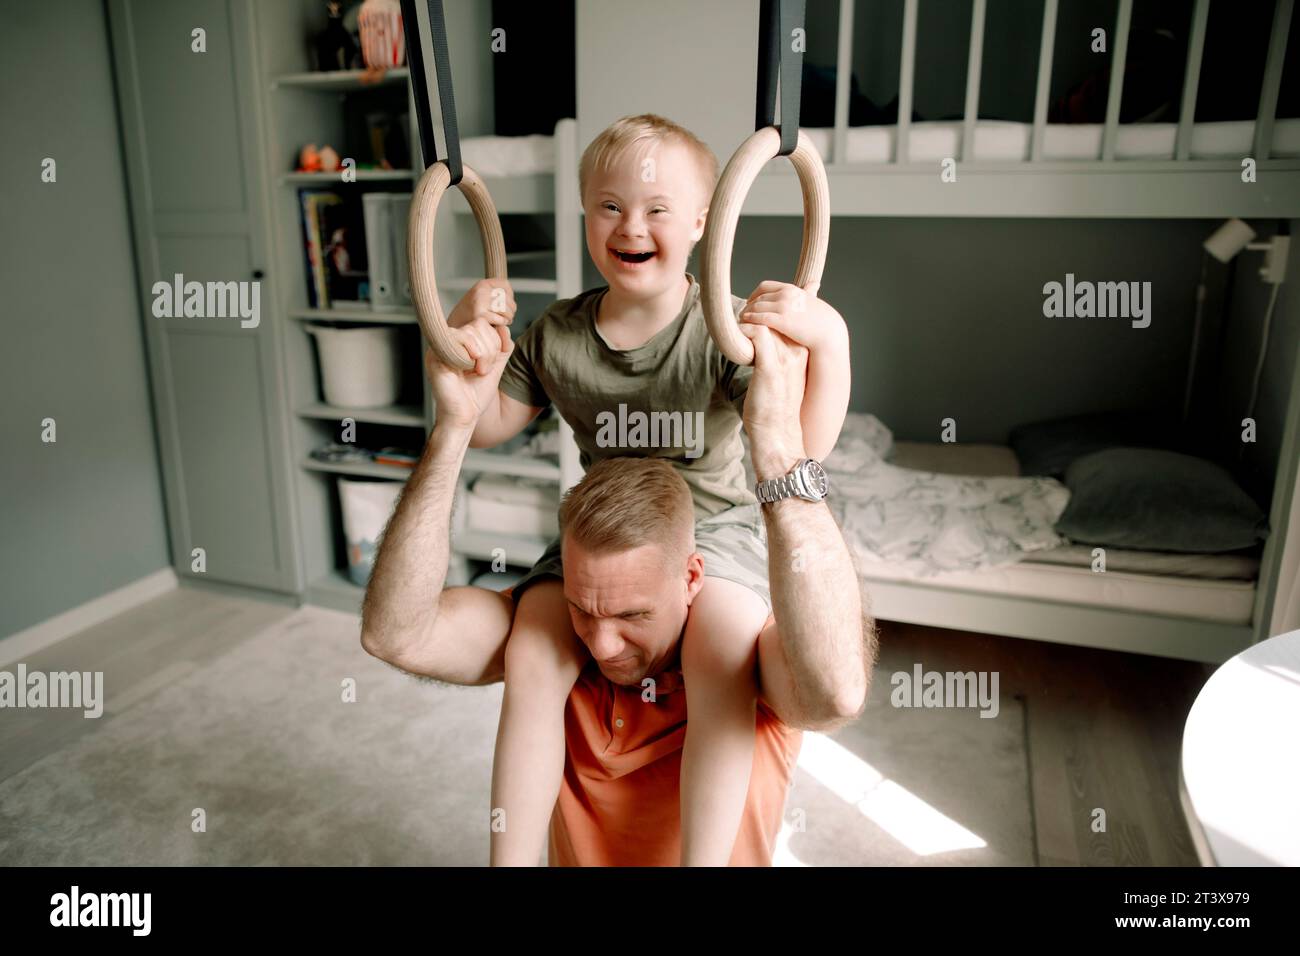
23	644
241	591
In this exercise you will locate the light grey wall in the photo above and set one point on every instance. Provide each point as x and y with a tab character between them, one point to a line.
694	62
1245	332
946	316
469	28
82	516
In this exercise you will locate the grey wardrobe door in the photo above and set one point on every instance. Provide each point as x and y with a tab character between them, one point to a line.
199	209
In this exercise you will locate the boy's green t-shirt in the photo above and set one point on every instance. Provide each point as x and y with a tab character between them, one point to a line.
676	396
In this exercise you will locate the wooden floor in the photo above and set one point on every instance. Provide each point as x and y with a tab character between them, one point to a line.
1103	730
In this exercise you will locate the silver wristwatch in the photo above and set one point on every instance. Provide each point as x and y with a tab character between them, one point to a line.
806	480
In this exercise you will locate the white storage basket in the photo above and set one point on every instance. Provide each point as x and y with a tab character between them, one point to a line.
367	506
359	368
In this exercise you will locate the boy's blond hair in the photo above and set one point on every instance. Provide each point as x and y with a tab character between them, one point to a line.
638	135
624	503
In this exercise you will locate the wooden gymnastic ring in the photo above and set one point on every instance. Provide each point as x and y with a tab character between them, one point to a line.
720	232
420	249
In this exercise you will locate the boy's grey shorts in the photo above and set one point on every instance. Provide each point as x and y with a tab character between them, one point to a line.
733	544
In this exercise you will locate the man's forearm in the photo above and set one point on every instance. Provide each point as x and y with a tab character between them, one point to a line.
401	603
816	599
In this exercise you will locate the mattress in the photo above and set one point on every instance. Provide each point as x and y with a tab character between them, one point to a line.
1230	602
1003	141
1233	565
931	141
1128	571
492	156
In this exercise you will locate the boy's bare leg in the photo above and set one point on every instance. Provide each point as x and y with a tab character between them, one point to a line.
719	655
543	660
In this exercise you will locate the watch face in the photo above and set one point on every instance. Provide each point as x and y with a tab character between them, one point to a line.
816	477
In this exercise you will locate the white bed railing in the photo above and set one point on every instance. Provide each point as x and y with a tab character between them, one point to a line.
1272	79
1045	51
974	64
1191	80
1265	114
906	79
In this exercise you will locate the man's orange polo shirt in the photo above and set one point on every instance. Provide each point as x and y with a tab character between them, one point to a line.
620	802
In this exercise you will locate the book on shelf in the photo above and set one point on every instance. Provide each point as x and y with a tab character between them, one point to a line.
343	243
309	201
334	243
400	457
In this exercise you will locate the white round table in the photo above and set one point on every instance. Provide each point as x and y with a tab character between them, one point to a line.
1240	774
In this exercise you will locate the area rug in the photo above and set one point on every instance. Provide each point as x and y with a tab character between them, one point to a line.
262	758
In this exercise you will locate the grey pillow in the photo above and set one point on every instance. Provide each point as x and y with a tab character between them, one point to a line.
1047	448
1155	500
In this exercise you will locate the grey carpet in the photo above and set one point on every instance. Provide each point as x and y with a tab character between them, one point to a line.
290	774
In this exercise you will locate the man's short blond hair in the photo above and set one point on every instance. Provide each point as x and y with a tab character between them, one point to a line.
637	136
624	503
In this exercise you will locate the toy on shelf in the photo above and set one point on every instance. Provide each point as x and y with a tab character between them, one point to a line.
335	47
322	160
309	159
383	44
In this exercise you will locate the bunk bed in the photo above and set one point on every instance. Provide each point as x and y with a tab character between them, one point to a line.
1202	606
1183	169
1194	606
953	535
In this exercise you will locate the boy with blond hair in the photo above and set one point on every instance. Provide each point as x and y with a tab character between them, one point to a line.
638	351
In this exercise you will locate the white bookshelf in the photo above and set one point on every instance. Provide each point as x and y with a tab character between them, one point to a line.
357	469
301	106
481	460
408	415
521	286
340	80
368	316
335	179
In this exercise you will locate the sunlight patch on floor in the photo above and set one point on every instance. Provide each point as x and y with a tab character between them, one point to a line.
895	809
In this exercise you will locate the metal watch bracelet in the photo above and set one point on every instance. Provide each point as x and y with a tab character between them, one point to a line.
788	485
